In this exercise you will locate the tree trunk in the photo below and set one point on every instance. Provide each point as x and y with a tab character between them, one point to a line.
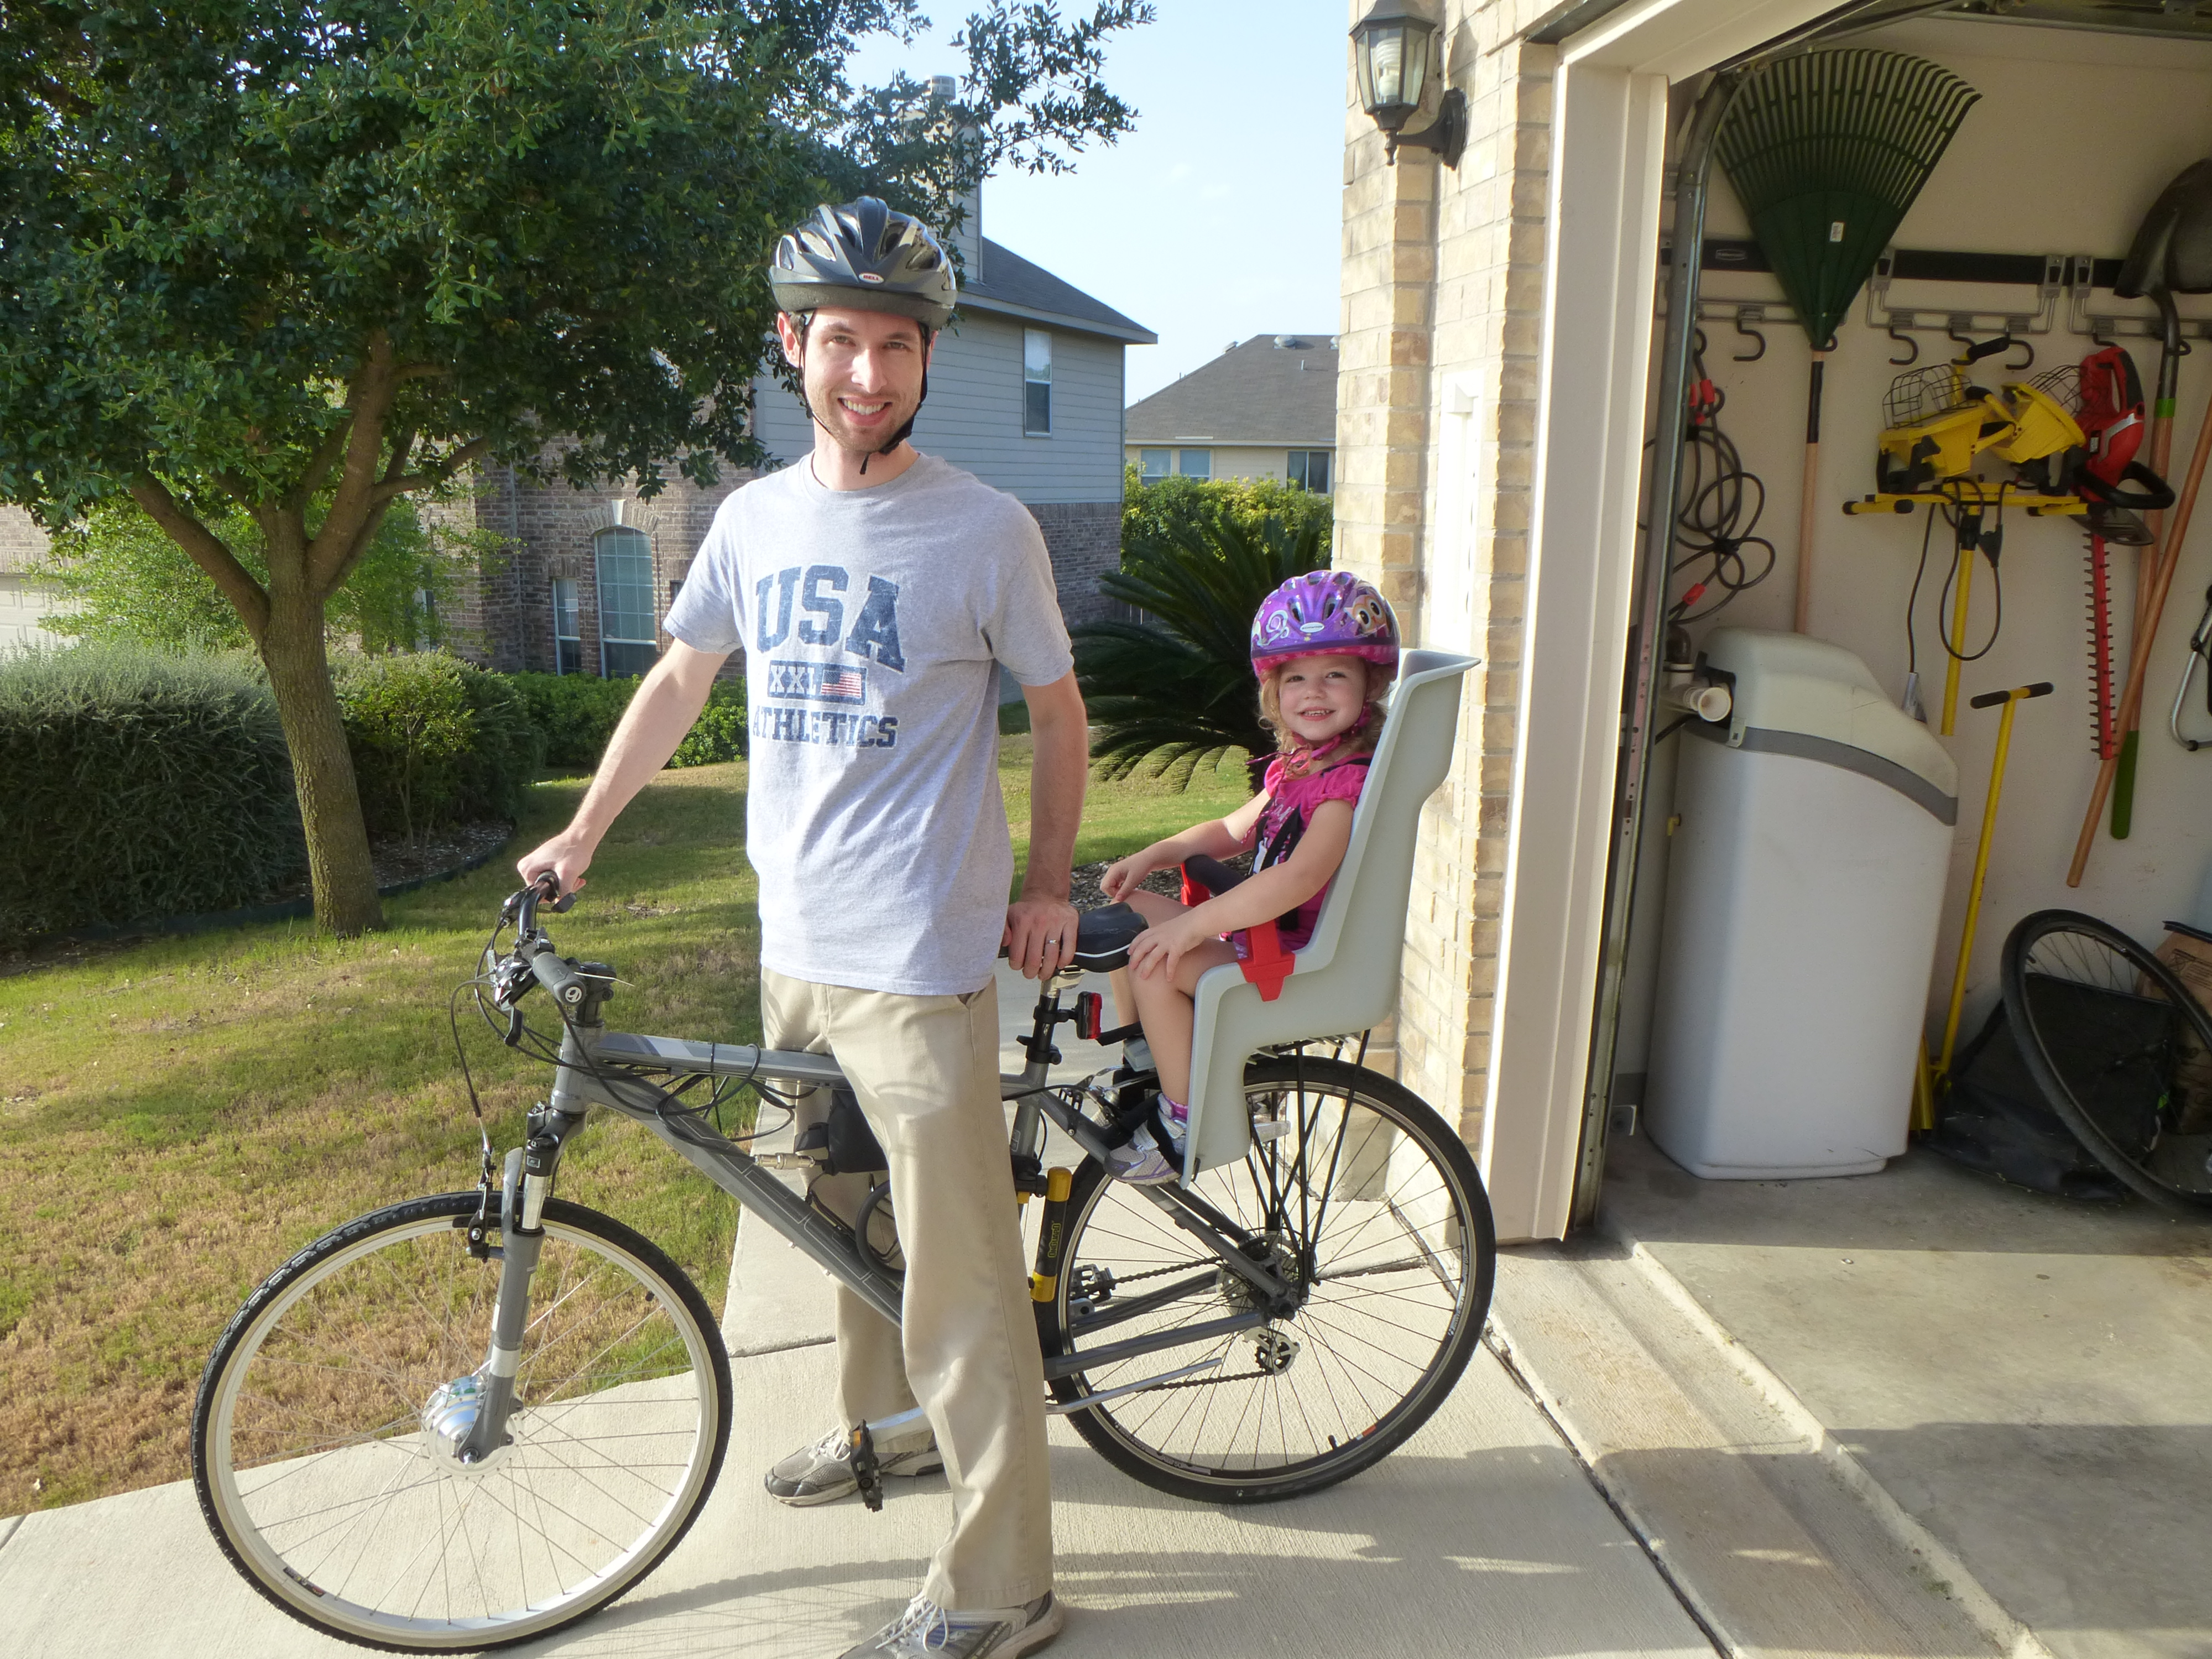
322	768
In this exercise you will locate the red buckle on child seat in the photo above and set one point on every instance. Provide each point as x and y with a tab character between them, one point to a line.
1266	964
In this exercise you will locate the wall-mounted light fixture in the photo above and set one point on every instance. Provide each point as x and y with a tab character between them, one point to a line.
1394	49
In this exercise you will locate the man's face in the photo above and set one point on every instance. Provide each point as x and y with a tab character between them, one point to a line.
863	372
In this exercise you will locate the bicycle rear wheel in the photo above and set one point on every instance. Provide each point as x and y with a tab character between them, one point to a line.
1364	1199
2120	1048
325	1488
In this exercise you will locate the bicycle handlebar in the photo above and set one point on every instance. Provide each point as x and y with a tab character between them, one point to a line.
563	983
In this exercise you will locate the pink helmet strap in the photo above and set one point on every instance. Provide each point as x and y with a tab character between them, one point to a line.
1301	757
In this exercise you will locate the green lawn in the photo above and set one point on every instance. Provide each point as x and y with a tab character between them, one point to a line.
177	1115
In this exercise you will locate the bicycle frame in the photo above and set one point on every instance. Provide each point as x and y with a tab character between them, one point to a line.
586	1077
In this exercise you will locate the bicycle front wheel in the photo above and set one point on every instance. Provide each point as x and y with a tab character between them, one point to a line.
1360	1196
325	1485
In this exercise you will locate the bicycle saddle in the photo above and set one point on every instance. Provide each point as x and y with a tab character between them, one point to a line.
1103	938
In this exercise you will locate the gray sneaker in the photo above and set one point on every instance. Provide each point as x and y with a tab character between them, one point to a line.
926	1630
822	1473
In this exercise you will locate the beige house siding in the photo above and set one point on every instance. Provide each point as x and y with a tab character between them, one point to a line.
1231	460
1442	280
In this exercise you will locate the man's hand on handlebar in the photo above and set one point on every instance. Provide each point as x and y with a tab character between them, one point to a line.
1039	936
568	855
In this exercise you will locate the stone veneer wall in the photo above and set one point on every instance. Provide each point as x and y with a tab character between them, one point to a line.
21	539
505	617
1442	280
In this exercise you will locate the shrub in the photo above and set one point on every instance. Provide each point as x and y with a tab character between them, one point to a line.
719	733
578	714
1159	511
138	784
435	741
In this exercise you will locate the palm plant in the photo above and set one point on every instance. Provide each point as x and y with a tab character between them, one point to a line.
1176	691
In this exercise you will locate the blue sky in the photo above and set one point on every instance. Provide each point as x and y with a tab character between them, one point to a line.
1218	218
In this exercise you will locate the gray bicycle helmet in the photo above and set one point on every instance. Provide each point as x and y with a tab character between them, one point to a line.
865	255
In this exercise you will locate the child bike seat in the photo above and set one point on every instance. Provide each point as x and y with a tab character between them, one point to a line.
1345	978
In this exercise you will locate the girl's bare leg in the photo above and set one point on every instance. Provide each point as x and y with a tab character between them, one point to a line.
1153	908
1166	1007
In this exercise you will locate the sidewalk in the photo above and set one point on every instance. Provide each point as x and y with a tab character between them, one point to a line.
1483	1536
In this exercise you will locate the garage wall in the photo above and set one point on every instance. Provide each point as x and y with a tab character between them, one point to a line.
2074	136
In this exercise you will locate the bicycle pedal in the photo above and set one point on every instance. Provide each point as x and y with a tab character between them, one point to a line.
867	1470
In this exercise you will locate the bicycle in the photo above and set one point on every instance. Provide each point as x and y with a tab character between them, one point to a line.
471	1419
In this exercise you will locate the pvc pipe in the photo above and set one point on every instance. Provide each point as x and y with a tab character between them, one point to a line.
1712	703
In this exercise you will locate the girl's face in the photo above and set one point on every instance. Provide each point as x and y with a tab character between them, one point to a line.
1322	696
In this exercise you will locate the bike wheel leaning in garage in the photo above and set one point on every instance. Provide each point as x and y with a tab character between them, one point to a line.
2118	1047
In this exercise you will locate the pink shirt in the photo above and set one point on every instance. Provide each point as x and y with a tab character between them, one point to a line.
1291	802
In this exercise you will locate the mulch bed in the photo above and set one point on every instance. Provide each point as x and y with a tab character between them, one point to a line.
1083	886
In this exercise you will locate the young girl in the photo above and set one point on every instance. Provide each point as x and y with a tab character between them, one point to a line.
1325	647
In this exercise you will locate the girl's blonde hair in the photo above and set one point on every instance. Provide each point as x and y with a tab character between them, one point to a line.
1361	742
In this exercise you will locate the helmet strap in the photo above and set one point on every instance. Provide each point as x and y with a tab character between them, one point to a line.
1302	757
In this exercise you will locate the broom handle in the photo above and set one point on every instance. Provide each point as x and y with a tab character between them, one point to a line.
1808	503
2139	658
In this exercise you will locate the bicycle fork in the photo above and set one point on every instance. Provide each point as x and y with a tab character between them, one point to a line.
465	1421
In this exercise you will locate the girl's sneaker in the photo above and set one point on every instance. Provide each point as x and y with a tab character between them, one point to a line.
1140	1162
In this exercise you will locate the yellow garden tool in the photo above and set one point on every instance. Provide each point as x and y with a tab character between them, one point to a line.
1935	1079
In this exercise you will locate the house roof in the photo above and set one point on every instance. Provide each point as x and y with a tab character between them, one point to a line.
1009	285
1258	392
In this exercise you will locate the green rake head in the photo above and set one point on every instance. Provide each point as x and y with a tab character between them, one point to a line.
1826	151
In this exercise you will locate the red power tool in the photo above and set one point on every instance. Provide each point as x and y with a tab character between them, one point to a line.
2118	489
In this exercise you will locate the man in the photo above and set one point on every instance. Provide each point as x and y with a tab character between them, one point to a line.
877	593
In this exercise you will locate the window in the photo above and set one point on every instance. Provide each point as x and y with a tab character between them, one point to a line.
1308	469
1036	382
1195	463
624	561
1155	464
567	631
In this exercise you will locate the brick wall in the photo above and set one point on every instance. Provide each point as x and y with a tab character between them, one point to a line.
1443	279
1085	540
506	609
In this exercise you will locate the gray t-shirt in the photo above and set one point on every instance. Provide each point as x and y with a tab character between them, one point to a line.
873	621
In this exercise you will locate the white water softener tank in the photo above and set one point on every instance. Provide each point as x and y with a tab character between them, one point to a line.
1804	885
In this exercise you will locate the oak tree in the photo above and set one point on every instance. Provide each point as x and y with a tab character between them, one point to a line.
299	260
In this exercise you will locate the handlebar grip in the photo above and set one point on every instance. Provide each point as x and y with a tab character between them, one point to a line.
1993	699
565	984
1981	349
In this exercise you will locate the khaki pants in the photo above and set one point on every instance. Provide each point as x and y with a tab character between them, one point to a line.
926	1069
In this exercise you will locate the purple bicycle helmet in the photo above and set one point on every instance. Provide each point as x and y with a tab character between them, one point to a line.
1324	613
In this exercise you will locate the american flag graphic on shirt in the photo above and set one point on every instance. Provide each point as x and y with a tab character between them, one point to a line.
818	682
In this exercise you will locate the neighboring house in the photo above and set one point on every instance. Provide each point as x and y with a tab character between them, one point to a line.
25	600
1025	391
1265	409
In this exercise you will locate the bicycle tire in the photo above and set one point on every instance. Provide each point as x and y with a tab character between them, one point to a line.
2104	1053
1370	1362
315	1472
